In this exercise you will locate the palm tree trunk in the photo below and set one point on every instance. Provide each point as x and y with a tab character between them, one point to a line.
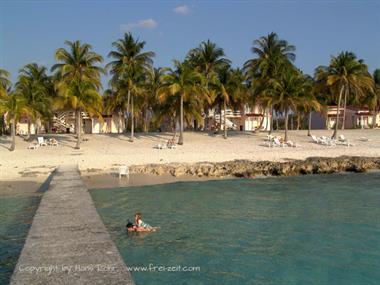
29	130
220	117
286	124
119	121
2	123
13	134
298	122
132	121
335	134
180	140
79	127
374	118
225	119
145	121
267	120
309	126
127	117
271	120
344	110
174	127
261	121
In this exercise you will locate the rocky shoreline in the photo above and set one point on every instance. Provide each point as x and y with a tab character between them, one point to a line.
251	169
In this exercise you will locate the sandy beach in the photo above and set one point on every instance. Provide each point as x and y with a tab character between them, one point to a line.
102	154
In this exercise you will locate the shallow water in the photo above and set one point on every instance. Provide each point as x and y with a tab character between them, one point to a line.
16	215
298	230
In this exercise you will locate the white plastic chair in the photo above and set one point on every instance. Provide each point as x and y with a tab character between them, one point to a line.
41	141
123	170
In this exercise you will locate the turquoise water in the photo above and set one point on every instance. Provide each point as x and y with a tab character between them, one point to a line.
16	215
298	230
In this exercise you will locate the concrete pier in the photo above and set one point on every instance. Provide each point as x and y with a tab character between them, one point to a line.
68	242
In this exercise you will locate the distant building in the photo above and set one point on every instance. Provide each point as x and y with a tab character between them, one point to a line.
246	119
356	117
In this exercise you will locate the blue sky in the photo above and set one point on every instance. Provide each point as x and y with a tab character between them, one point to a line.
31	30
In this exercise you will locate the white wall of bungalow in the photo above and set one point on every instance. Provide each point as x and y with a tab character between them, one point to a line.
356	117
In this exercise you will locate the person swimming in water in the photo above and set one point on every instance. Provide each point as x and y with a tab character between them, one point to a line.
139	225
139	222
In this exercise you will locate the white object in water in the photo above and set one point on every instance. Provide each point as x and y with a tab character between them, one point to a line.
123	170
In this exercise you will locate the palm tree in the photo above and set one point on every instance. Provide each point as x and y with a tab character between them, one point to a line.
372	100
274	55
113	103
290	91
5	85
345	75
230	90
149	101
78	81
184	83
208	59
129	67
35	86
14	106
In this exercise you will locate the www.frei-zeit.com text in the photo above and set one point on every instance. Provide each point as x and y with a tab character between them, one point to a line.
51	269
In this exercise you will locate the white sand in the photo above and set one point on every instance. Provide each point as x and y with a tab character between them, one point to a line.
106	152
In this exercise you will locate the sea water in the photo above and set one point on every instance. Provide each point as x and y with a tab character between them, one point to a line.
16	215
297	230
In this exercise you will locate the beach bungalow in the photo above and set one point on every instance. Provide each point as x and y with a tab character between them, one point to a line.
64	122
326	118
246	119
356	117
361	117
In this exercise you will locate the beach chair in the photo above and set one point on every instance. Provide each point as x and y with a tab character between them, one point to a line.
161	145
53	142
123	170
33	146
364	139
171	144
315	139
292	144
276	142
41	141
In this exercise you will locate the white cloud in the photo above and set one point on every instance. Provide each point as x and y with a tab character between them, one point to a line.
182	9
144	24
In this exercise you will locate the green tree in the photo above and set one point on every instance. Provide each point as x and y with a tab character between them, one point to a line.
273	57
36	87
230	90
345	75
78	81
291	90
5	85
129	68
372	99
184	83
208	59
14	106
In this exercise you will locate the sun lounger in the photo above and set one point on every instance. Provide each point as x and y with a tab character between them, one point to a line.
171	144
276	142
292	144
53	142
33	146
41	141
364	139
161	146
